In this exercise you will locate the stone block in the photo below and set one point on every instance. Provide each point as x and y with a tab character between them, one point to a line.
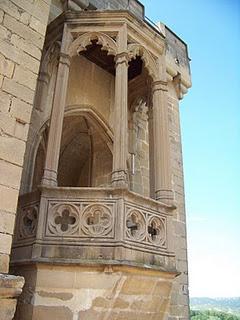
56	312
38	9
23	31
10	8
7	124
5	243
9	198
21	110
1	15
120	303
4	263
137	286
38	26
10	174
27	47
25	77
1	80
21	130
19	56
63	278
5	34
18	90
25	18
7	309
5	101
6	66
7	221
162	289
12	150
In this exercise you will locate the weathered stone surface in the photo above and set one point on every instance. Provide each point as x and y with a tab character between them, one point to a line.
45	312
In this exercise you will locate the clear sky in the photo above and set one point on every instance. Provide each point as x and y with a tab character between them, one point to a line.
210	118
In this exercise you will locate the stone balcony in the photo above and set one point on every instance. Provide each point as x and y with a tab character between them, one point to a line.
93	226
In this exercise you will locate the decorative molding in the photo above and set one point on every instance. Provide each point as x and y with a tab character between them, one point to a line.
135	50
80	44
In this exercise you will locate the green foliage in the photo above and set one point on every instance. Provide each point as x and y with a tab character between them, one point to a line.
212	315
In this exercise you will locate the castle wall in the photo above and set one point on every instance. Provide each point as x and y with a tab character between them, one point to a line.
22	31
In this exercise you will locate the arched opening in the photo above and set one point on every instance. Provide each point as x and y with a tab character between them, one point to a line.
85	158
141	177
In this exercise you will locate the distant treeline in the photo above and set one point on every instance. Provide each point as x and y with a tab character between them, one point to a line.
212	315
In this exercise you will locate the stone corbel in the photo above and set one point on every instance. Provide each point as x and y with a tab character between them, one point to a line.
177	85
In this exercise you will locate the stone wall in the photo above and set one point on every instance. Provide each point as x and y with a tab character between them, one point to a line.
22	32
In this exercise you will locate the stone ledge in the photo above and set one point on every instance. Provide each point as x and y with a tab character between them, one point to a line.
10	289
10	286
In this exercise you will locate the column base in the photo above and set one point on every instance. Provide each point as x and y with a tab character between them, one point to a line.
49	178
119	179
165	196
10	289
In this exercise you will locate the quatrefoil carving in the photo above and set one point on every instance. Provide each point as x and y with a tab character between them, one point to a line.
157	231
28	222
64	219
136	225
97	220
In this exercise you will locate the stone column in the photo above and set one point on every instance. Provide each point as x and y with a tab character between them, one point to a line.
42	90
120	147
162	161
56	122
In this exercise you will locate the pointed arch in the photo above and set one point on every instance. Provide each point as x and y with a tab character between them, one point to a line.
80	44
135	50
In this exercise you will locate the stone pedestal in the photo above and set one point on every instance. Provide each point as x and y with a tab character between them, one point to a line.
10	289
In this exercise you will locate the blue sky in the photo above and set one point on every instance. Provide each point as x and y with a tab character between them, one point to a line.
210	118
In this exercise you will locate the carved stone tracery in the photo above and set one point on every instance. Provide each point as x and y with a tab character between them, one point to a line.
136	50
136	225
97	220
28	222
80	44
64	219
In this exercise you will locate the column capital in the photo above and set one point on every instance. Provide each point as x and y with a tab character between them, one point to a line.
64	59
122	58
119	179
43	77
165	195
159	85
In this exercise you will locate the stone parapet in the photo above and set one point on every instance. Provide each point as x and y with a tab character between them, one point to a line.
113	225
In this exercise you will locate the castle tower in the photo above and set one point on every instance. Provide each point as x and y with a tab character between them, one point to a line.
100	228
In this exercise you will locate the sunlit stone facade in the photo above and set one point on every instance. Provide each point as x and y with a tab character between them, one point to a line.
91	144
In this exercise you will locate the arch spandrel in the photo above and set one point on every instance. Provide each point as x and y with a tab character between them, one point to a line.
135	50
80	44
